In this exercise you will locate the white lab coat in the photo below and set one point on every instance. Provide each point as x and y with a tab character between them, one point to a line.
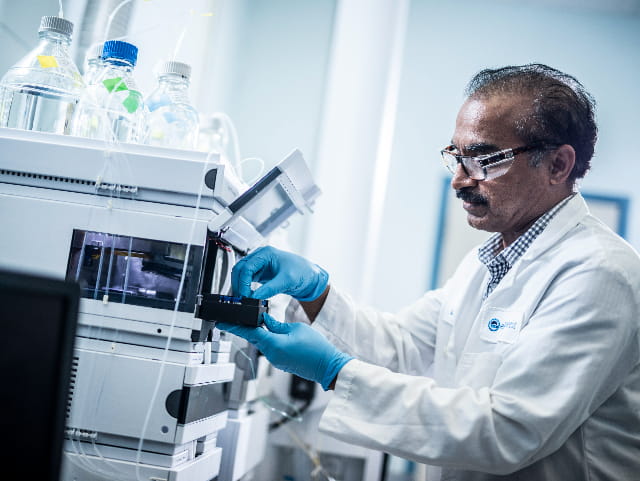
539	382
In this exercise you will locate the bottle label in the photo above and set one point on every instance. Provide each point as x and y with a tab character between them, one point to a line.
132	102
155	102
47	61
114	84
170	117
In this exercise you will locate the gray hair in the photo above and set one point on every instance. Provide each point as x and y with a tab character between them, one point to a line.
562	112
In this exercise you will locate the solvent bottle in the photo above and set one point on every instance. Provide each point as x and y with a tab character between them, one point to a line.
173	121
41	91
93	64
112	108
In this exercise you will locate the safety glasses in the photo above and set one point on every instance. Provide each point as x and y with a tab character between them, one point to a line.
484	167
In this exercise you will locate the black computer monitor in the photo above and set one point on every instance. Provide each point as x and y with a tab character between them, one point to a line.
38	317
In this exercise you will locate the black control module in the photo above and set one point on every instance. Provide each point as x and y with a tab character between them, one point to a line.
235	310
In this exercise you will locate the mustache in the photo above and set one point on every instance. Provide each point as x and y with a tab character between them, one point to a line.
468	195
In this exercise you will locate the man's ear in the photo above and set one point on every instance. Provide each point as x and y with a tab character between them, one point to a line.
562	161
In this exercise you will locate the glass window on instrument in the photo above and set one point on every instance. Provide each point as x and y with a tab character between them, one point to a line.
136	271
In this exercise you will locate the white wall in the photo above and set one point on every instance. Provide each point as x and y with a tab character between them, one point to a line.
19	28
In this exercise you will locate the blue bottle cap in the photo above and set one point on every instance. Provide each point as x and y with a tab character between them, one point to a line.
117	49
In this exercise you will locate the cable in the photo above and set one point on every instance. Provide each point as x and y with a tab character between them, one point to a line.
112	16
288	416
300	389
234	158
312	454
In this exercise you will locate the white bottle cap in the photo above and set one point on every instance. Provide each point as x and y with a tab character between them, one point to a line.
176	68
56	24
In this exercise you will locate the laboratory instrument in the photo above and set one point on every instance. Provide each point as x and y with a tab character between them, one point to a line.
156	392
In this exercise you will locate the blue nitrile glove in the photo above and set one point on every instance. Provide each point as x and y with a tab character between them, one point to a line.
294	347
279	272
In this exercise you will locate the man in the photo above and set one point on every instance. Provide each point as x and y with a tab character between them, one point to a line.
526	364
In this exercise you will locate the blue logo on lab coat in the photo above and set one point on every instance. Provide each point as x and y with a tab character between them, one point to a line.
494	324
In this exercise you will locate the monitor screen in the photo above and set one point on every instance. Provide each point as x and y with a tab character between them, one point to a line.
38	316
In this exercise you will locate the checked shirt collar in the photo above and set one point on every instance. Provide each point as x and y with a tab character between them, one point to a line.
498	262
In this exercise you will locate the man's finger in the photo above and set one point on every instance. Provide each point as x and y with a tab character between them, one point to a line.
246	271
252	334
275	326
270	288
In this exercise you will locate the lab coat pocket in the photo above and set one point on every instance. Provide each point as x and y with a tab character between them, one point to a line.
477	369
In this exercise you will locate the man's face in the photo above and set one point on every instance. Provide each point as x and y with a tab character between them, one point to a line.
510	203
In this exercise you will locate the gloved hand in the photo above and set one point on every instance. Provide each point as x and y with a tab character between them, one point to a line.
279	272
294	347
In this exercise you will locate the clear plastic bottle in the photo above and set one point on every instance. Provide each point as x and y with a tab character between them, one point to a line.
112	108
173	121
93	64
41	91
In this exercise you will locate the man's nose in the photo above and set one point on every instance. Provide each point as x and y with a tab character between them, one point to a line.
460	179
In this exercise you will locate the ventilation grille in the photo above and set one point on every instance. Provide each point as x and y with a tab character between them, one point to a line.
72	383
101	187
50	178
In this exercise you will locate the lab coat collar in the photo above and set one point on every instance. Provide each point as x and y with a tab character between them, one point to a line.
566	219
562	222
